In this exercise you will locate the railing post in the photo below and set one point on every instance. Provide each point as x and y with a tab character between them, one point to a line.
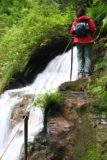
71	59
26	134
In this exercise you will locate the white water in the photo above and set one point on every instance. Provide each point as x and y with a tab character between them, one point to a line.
57	72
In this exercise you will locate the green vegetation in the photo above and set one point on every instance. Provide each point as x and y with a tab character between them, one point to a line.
98	12
30	25
33	24
87	147
48	99
98	87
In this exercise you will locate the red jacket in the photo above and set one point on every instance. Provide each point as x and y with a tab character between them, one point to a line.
89	37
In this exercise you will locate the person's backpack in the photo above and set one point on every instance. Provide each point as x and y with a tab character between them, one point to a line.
81	29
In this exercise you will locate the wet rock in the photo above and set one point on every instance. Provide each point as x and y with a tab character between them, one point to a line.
61	136
17	83
78	85
66	133
19	110
36	149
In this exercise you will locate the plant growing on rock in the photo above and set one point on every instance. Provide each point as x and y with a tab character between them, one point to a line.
51	100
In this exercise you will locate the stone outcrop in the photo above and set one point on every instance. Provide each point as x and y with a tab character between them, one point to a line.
18	112
74	127
66	129
70	131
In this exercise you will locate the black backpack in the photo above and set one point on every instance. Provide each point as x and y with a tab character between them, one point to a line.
81	29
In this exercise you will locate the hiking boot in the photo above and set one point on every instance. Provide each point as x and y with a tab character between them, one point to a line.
80	75
87	75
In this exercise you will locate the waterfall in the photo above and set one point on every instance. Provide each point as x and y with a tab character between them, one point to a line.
56	72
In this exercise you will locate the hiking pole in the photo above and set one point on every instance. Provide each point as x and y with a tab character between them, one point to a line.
26	117
71	58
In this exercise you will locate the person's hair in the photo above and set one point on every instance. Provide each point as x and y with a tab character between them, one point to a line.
81	12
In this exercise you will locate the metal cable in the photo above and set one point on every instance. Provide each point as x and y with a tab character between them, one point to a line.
11	140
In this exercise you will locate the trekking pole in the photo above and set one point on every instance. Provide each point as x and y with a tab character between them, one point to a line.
71	58
26	117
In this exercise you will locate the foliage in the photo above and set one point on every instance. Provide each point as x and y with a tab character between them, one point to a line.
87	147
29	24
98	13
102	103
48	99
97	89
91	153
12	11
38	25
101	65
8	7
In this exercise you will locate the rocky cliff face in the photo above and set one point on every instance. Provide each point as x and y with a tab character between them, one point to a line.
73	130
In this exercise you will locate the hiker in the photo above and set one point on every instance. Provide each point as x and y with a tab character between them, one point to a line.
82	30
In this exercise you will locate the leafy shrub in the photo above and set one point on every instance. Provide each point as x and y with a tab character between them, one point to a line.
101	65
97	88
102	103
98	13
52	101
38	26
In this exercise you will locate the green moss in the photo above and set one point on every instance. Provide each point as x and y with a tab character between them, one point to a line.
87	147
51	100
97	87
78	85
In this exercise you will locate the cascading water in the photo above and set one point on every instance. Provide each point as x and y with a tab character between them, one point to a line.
57	72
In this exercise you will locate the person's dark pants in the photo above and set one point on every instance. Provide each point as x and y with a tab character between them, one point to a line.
84	52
